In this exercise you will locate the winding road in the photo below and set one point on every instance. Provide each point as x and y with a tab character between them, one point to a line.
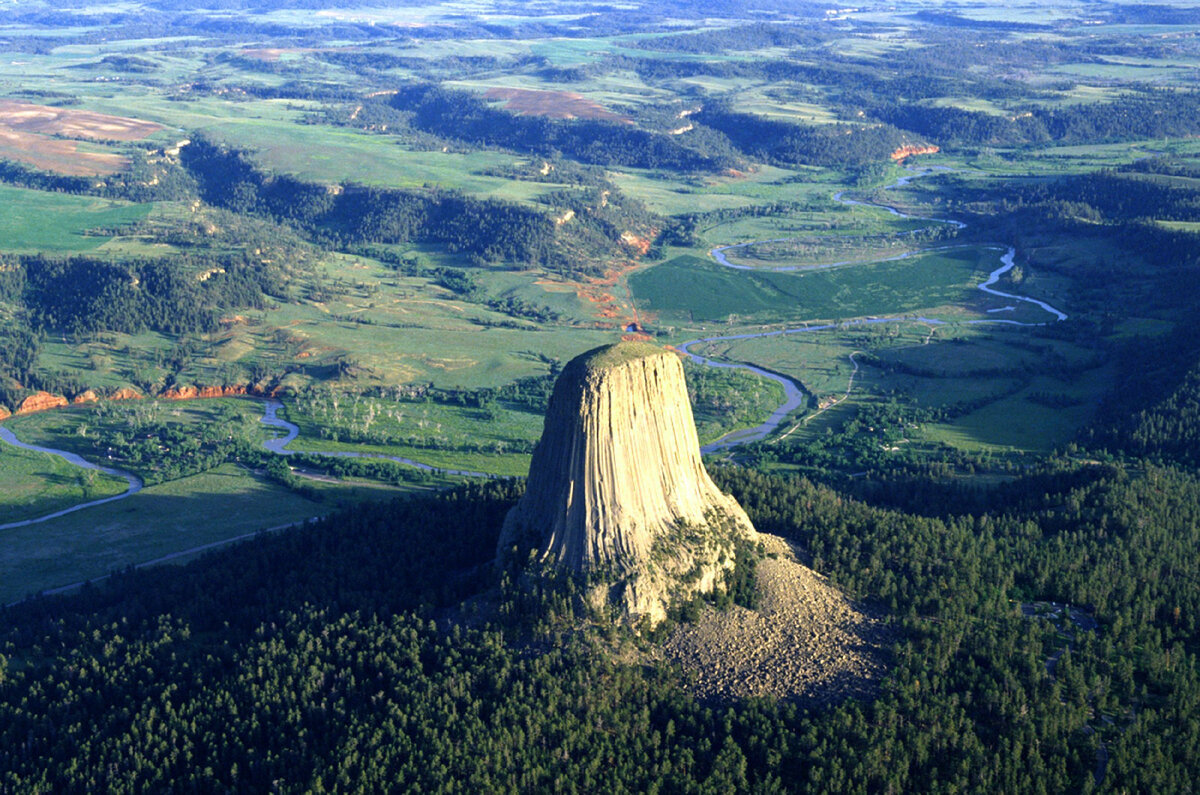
793	396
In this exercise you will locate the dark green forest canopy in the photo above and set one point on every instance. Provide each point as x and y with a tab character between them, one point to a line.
325	655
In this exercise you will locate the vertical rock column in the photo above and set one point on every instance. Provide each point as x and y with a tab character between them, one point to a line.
617	489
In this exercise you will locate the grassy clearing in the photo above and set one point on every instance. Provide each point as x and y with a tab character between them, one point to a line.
1018	423
690	289
676	195
36	484
496	439
88	429
35	220
223	503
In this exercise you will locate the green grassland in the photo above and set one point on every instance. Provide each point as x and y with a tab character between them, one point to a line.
394	329
764	184
422	431
1017	423
36	484
160	520
690	289
35	220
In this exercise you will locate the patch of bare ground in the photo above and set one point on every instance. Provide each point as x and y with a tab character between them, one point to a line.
38	135
805	641
552	104
73	122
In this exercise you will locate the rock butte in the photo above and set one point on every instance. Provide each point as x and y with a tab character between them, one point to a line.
617	490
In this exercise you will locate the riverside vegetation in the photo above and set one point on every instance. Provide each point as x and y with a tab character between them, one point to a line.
400	223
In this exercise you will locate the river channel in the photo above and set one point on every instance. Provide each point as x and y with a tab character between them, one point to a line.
794	397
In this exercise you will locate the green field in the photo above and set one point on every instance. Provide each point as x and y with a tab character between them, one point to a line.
36	484
690	289
160	520
35	220
441	435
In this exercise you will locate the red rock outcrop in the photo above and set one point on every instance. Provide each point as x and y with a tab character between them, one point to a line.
186	392
909	151
40	401
126	393
4	413
86	396
191	392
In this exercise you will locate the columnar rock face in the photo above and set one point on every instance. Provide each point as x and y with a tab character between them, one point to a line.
617	489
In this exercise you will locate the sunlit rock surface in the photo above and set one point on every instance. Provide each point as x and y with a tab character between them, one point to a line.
617	490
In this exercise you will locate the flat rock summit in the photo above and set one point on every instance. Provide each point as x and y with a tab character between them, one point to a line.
617	490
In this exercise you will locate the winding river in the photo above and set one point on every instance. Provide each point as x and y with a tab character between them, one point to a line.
135	483
793	396
278	445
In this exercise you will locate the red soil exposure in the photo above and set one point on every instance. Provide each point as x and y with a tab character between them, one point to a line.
40	401
639	244
57	155
4	413
125	393
598	291
909	151
87	396
554	104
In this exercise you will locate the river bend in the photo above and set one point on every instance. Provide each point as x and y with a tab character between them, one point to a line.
793	396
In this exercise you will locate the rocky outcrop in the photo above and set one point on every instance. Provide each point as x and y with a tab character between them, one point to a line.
909	151
617	491
4	412
804	640
40	401
190	392
86	396
125	393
